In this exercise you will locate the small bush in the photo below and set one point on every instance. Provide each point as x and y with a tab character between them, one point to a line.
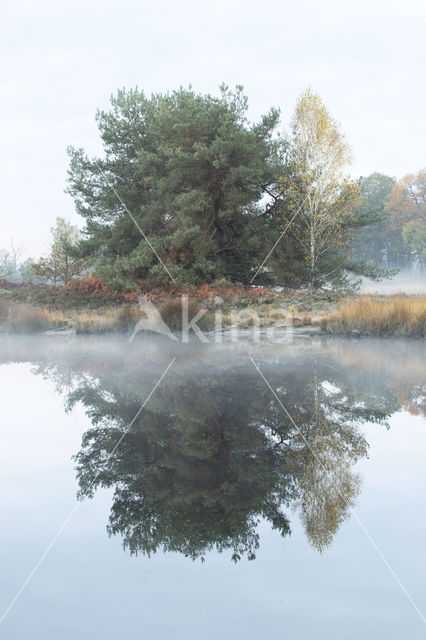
6	284
304	321
89	284
126	317
171	313
323	323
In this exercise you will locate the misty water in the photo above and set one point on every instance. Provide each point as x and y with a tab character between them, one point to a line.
257	490
407	281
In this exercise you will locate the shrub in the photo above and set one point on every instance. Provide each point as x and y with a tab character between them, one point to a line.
6	284
323	324
88	284
171	313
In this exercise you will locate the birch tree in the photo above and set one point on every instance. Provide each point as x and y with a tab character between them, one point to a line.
319	197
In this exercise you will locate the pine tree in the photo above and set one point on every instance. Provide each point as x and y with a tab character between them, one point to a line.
178	193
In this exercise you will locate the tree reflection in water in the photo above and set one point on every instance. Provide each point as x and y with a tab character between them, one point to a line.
213	453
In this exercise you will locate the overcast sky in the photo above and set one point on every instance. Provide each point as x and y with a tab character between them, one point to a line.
61	61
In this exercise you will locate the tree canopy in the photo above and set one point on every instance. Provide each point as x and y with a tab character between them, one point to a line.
186	170
319	202
189	191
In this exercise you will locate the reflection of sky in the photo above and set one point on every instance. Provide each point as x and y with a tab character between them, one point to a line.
89	588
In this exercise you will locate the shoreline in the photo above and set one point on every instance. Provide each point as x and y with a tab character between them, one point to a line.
322	313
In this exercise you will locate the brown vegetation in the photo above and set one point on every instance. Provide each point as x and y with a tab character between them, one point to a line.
121	319
371	315
171	313
89	308
23	318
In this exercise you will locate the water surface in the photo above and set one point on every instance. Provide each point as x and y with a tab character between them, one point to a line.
227	502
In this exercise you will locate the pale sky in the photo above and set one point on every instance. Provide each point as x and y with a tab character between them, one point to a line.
61	61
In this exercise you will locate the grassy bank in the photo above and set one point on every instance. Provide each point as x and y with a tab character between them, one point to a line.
90	308
87	306
397	315
18	317
25	318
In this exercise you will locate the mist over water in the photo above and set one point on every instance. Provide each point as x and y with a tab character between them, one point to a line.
407	281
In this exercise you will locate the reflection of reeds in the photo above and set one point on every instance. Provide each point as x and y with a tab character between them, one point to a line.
394	315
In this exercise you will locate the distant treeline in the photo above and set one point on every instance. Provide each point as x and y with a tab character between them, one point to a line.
398	240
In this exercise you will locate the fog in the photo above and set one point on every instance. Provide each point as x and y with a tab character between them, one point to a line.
406	281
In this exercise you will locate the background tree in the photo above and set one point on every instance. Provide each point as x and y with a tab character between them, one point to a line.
61	265
414	236
374	243
191	172
10	269
6	264
406	206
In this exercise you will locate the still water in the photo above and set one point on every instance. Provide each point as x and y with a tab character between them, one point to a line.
237	490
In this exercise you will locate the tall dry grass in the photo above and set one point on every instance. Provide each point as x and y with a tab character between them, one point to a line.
370	315
22	318
25	318
116	319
